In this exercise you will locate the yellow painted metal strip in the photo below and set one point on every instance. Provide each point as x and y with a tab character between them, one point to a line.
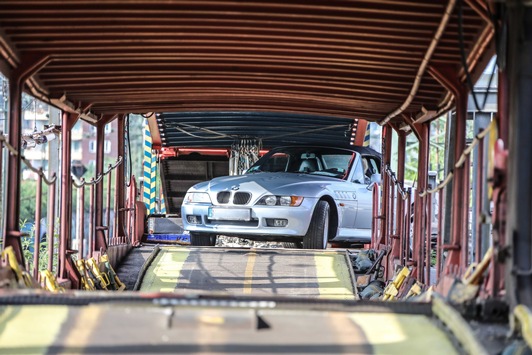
391	333
248	275
86	321
457	325
163	274
30	329
333	277
522	321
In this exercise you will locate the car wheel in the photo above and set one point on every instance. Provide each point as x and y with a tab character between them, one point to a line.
293	245
202	240
318	231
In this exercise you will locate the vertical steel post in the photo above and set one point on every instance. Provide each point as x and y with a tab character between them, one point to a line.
401	150
464	260
29	65
479	202
108	204
12	217
386	197
120	179
66	190
428	237
439	240
81	221
387	137
117	213
458	207
375	226
37	228
408	245
51	224
420	202
99	239
449	78
92	227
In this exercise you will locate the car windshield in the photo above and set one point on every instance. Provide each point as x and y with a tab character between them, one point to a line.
331	162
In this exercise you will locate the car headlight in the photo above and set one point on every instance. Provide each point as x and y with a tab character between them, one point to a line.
271	200
197	197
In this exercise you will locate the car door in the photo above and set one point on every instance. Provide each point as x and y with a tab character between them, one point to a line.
358	184
365	196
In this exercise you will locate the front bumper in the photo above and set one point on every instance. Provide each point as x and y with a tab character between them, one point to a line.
298	220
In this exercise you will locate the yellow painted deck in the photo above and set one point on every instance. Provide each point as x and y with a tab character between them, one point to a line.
277	272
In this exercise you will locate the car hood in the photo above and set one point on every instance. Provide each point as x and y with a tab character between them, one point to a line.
305	185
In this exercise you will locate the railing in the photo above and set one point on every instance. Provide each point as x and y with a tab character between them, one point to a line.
51	215
404	223
112	237
408	244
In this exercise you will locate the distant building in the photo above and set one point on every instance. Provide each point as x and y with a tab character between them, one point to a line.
38	114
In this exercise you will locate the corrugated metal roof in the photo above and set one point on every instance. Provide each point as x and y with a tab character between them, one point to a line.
343	59
221	129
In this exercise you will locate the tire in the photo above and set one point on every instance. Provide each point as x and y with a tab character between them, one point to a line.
202	240
318	231
292	245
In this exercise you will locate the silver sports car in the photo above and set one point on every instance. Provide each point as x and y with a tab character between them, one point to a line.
305	195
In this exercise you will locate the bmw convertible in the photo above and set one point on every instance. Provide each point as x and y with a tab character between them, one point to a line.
305	196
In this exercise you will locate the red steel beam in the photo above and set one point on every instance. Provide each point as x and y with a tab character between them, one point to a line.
99	243
448	77
420	215
68	121
400	220
29	65
385	237
119	230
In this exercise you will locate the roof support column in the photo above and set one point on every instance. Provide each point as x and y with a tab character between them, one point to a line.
386	203
420	214
448	78
29	66
69	120
519	173
398	253
120	180
100	244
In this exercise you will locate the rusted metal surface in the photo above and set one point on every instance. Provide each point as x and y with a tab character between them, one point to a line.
81	221
37	228
402	234
69	120
120	184
327	58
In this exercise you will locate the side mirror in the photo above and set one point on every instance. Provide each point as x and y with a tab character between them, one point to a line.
375	179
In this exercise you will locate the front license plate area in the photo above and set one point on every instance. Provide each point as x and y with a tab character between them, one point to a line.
229	214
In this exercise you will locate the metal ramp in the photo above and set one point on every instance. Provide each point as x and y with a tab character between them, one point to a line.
260	272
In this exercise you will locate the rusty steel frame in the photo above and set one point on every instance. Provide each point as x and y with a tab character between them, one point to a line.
29	66
420	204
439	237
98	243
376	220
51	226
120	181
37	228
398	252
478	203
81	221
92	220
108	203
386	204
448	78
407	247
428	238
68	121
